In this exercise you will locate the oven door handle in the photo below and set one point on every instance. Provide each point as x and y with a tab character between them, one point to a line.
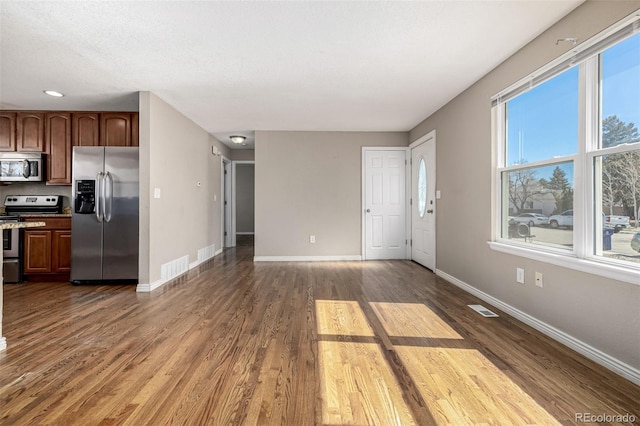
98	196
26	169
108	196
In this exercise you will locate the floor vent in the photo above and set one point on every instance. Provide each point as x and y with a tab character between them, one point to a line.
483	311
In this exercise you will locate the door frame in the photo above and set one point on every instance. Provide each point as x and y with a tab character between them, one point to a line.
412	145
363	193
233	197
225	209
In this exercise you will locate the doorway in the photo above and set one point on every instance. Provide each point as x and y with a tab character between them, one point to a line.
226	203
384	179
423	194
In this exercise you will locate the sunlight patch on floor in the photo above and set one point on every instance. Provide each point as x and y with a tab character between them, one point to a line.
340	317
461	386
412	320
358	387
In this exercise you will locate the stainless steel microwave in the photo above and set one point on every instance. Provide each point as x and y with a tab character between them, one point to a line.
21	167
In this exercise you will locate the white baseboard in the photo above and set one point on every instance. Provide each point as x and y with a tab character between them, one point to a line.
245	233
145	288
220	250
3	343
607	361
306	258
174	269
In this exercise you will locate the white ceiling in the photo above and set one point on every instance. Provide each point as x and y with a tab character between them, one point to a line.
237	67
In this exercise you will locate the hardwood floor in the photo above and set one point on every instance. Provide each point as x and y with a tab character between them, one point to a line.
234	342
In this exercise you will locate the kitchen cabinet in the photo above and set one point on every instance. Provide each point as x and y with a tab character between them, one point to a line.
47	250
30	131
85	128
8	124
58	148
115	129
135	132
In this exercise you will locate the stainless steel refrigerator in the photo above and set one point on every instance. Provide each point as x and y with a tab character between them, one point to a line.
105	211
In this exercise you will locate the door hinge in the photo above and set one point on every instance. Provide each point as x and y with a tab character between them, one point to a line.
406	242
410	201
411	242
225	233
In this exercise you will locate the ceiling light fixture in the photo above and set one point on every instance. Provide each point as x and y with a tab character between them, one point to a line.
237	139
53	93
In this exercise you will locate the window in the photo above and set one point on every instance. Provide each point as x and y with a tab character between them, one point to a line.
568	158
422	188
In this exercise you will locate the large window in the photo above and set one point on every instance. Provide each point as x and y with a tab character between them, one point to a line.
568	157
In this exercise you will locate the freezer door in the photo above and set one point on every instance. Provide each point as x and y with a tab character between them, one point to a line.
121	206
86	237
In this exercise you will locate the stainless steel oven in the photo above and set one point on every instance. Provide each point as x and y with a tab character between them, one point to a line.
12	239
11	242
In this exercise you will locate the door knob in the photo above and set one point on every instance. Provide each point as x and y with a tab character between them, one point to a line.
368	210
430	211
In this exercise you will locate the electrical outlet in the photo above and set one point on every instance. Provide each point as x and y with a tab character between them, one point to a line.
539	279
520	275
312	239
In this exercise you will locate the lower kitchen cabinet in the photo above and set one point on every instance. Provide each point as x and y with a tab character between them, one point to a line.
47	250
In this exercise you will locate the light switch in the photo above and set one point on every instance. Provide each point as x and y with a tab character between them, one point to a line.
437	194
156	192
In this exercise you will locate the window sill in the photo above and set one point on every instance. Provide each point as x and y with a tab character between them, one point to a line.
615	272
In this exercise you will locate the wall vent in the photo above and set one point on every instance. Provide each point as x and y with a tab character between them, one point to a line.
483	311
174	268
206	253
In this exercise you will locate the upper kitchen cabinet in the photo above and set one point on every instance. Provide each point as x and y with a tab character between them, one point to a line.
116	129
85	128
58	147
8	123
30	132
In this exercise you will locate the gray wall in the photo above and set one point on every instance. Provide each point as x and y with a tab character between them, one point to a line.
241	154
245	189
309	183
175	154
600	312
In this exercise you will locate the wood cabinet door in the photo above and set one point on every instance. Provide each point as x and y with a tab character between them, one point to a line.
61	251
7	131
115	129
37	252
58	146
30	132
85	128
135	130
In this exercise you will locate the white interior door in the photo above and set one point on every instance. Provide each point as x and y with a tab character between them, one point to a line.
423	206
385	204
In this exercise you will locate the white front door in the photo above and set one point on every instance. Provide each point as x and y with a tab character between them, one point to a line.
423	207
384	204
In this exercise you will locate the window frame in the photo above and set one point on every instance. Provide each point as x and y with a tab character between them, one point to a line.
582	255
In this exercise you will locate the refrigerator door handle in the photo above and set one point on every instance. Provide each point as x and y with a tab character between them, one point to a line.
108	196
98	196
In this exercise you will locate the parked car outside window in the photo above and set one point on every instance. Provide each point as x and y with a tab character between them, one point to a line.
563	219
635	242
531	219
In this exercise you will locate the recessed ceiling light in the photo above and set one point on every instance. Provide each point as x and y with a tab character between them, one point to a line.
53	93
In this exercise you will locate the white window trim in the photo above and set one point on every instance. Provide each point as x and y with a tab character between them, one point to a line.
580	258
600	268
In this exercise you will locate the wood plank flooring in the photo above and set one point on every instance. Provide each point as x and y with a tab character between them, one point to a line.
238	343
